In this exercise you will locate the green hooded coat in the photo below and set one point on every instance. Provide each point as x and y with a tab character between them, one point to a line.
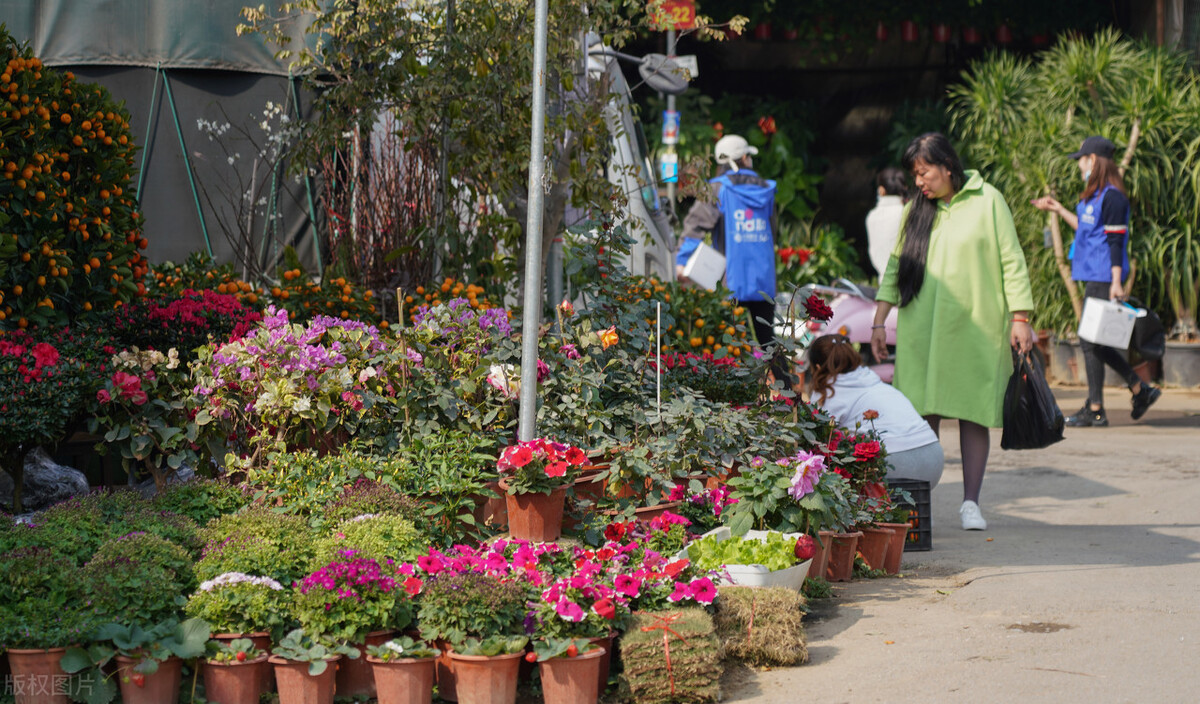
953	357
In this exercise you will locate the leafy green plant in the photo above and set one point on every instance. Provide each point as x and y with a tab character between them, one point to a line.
776	552
44	605
256	541
470	605
149	646
374	497
380	537
402	648
812	253
492	646
766	501
202	499
236	650
550	648
138	579
240	603
298	646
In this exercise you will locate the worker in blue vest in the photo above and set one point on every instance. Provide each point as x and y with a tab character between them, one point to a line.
742	220
1099	259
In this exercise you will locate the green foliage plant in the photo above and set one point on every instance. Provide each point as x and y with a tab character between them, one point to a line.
236	650
455	607
44	607
203	499
138	579
380	537
492	646
240	603
549	648
256	541
148	645
402	648
318	652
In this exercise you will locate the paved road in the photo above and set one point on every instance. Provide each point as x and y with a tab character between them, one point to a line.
1085	588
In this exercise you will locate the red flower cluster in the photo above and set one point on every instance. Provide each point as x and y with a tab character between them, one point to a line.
817	308
130	389
789	254
767	125
691	361
522	461
44	355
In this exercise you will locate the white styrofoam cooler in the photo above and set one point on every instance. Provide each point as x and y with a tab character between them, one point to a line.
758	575
706	266
1107	323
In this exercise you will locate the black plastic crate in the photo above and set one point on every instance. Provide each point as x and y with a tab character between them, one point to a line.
920	520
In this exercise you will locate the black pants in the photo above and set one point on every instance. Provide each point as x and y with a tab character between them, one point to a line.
764	332
1096	356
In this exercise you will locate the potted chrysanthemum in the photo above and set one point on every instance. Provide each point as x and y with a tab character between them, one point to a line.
535	475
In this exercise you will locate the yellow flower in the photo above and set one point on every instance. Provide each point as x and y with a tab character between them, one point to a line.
608	338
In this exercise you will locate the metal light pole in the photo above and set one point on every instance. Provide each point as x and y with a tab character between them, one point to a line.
671	109
532	317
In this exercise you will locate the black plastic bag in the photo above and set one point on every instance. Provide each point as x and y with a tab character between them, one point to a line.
1032	419
1149	336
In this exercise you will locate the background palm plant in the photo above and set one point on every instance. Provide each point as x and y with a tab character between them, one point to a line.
1016	119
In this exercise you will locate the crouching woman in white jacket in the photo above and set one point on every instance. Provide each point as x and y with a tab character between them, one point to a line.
846	390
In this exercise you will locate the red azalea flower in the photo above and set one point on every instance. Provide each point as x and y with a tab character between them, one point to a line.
866	451
605	608
103	396
44	355
803	255
817	308
843	471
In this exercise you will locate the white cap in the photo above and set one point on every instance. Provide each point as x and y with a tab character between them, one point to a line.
731	148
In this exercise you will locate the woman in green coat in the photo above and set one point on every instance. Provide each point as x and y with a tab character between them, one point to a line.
959	277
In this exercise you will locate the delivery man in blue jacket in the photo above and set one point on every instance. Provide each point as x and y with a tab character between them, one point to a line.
1100	261
742	220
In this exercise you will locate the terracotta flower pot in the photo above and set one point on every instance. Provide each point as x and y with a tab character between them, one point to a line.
162	687
491	511
404	681
842	549
649	513
791	34
486	680
296	686
444	672
1004	34
605	642
535	517
881	32
941	33
874	545
587	486
820	560
895	552
354	676
572	680
971	35
909	31
762	31
235	682
262	641
36	676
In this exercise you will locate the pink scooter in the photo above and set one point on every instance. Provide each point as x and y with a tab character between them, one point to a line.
853	314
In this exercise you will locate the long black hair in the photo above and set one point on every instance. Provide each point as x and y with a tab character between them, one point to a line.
932	148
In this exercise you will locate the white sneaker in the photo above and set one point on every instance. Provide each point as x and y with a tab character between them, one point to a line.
972	519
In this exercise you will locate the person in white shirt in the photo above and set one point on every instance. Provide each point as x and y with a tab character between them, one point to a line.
883	222
847	390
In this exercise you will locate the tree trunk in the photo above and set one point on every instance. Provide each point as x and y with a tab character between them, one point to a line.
1064	269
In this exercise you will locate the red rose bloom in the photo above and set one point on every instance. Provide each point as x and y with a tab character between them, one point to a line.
817	308
866	451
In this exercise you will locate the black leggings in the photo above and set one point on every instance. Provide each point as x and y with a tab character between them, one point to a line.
764	332
1096	356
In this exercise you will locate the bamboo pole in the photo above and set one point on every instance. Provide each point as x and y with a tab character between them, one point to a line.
1064	269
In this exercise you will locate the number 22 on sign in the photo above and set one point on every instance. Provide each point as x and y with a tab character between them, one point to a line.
674	14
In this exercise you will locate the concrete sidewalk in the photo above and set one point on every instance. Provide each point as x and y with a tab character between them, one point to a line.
1084	588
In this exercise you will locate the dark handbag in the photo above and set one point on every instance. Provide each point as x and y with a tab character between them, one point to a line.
1032	419
1149	337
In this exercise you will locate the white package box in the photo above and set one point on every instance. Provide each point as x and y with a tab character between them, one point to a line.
1107	323
706	267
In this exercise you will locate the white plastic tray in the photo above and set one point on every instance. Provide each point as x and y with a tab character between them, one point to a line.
758	575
